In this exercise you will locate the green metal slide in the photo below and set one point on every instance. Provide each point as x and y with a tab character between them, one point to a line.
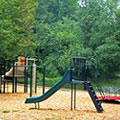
65	79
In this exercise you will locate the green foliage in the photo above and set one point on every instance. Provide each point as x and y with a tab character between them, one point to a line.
67	29
16	27
98	25
95	17
108	57
56	31
58	38
49	11
64	29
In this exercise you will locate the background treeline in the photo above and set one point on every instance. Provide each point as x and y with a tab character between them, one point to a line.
62	29
17	20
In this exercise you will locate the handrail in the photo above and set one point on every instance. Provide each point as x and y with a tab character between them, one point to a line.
99	88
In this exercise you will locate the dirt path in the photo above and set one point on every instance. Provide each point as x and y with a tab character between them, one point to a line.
57	107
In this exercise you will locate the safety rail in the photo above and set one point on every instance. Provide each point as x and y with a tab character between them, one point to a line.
99	89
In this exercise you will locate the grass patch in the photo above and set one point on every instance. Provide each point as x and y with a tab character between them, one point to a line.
49	82
109	82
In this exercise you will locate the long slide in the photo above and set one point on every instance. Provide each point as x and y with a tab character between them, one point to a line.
56	87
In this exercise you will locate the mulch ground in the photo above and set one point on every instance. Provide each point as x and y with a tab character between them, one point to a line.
57	107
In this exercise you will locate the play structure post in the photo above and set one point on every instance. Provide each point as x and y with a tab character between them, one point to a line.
36	80
31	77
71	96
73	91
71	88
15	84
13	78
25	77
4	75
84	72
74	95
43	80
16	73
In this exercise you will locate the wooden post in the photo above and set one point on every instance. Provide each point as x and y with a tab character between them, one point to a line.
34	77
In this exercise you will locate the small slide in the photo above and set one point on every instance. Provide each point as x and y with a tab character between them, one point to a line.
19	67
65	79
19	71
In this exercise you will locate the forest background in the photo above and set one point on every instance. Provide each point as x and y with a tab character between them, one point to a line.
61	29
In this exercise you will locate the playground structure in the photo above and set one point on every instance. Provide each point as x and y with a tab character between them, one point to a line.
25	69
76	74
21	70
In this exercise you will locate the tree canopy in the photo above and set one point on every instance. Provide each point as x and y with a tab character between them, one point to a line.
62	29
17	20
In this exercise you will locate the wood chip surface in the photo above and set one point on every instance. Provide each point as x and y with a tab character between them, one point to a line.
57	107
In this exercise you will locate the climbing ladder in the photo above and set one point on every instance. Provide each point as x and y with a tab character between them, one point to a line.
93	96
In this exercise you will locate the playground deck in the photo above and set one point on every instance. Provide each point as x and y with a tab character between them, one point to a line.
57	107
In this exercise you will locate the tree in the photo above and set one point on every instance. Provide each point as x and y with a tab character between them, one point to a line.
97	21
54	10
108	57
16	27
66	28
55	39
55	30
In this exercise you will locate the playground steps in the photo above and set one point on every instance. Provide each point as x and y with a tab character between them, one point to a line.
93	96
